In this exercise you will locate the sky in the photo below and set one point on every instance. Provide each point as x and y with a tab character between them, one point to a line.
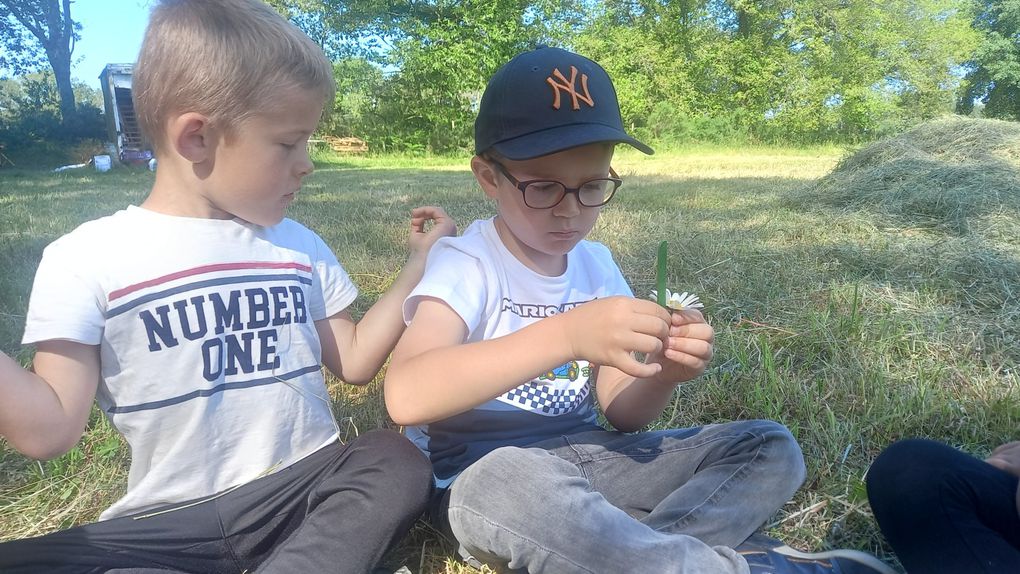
111	33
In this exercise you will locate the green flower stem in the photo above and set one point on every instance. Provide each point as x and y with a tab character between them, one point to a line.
660	275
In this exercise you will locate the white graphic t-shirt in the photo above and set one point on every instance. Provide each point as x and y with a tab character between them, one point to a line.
210	358
495	294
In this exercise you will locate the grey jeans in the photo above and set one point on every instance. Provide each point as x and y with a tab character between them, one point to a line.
672	501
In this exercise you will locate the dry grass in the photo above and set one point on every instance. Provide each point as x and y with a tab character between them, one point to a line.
953	174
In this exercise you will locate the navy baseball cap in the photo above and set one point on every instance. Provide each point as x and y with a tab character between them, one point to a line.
548	100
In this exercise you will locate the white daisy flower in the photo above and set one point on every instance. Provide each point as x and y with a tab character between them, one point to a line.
679	301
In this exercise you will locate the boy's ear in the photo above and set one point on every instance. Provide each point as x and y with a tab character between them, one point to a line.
192	136
486	175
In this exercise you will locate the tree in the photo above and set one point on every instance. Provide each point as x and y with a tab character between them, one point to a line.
994	78
437	55
800	70
30	114
684	70
50	24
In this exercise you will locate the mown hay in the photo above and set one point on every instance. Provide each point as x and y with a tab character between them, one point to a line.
947	173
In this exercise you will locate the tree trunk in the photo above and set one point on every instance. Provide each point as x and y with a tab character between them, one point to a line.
50	22
59	52
61	64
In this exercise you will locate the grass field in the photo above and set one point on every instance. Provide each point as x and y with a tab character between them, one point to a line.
851	328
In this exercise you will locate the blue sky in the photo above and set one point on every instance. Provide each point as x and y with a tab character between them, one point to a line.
111	33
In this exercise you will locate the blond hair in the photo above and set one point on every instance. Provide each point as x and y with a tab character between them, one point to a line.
225	59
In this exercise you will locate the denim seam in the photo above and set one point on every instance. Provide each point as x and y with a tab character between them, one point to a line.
582	456
519	536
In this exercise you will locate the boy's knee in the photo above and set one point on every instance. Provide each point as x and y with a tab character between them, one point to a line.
387	444
912	466
406	470
780	446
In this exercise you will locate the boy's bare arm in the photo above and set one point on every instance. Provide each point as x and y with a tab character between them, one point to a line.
355	351
434	375
630	403
44	413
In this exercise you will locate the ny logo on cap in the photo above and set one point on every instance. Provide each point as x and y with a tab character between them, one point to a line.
569	87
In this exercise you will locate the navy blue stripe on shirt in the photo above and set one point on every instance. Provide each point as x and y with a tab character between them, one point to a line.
201	284
212	391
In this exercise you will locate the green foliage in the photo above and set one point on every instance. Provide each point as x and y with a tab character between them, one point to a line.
995	76
29	28
21	50
431	61
780	71
31	126
355	109
685	71
667	124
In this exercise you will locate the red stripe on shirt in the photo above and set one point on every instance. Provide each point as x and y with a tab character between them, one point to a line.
207	269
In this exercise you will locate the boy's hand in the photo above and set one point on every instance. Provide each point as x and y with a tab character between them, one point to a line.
1007	457
606	332
423	236
689	348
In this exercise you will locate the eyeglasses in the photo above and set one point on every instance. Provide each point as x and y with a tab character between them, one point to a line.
548	193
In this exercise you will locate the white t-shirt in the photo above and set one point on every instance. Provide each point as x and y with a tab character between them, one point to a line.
495	294
210	359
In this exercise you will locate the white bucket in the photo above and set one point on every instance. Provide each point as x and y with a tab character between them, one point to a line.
103	162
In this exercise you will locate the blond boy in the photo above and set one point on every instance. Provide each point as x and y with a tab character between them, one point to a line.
199	321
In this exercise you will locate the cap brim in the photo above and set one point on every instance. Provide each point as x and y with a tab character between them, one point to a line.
562	138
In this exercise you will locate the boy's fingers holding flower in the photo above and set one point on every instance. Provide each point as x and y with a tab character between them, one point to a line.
635	368
700	331
689	351
685	359
653	309
606	332
685	317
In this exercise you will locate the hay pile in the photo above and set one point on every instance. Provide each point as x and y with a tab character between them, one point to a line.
947	173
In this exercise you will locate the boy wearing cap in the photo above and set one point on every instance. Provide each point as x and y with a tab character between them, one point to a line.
510	328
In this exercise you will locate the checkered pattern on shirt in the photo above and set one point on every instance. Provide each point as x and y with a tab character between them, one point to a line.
541	397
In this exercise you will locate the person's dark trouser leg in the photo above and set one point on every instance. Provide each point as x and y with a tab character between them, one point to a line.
339	509
945	511
185	540
380	486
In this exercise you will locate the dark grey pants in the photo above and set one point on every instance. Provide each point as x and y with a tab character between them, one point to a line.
337	510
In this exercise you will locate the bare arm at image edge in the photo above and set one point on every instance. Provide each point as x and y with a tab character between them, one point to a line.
43	412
